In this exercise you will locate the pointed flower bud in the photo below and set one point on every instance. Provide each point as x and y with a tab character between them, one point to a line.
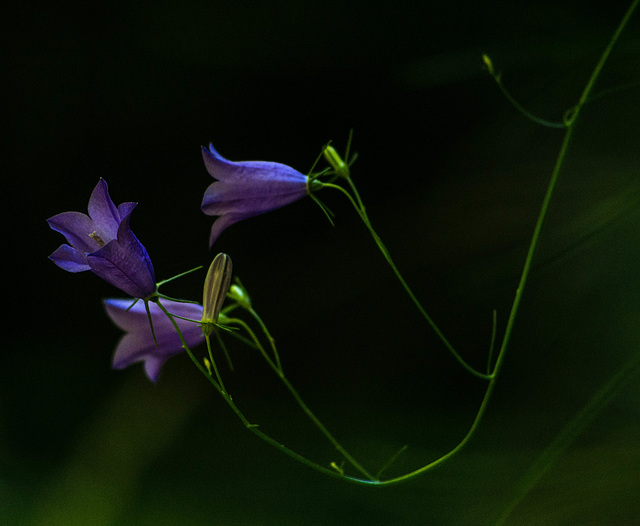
335	161
488	63
216	286
239	294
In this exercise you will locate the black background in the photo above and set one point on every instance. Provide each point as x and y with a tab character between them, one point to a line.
453	178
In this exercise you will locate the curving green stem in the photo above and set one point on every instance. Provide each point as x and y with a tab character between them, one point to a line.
272	342
218	384
570	122
361	211
275	364
305	408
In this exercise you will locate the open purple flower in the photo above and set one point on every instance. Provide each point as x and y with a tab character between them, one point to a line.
246	189
103	243
138	345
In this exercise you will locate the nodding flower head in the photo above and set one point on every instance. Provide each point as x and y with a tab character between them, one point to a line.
141	344
246	189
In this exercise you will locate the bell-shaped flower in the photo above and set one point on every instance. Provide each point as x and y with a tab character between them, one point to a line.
139	345
246	189
103	243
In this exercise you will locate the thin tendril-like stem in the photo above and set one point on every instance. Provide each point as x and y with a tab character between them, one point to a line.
178	276
360	209
223	389
219	386
552	183
272	342
305	408
605	55
543	122
494	325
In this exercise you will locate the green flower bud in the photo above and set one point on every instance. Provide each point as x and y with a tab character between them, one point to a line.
216	286
335	161
238	293
488	63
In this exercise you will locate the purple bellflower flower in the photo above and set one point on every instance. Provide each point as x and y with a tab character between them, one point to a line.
246	189
103	243
138	344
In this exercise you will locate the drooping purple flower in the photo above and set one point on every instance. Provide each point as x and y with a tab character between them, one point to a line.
138	344
103	243
246	189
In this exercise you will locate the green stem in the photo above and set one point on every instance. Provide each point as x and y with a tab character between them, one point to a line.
253	427
305	408
494	326
223	389
272	342
552	184
549	124
185	346
526	269
360	209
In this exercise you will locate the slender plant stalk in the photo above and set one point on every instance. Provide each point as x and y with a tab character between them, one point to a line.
360	209
275	364
219	386
305	408
552	183
272	342
528	261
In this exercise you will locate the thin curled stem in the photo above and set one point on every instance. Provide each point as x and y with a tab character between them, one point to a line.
519	107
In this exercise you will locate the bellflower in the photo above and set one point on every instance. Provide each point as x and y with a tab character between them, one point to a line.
246	189
138	344
103	243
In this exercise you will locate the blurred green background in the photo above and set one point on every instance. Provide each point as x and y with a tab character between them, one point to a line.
453	178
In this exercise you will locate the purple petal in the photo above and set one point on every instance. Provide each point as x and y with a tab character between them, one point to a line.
229	190
138	344
125	209
127	239
134	319
152	366
125	263
76	227
103	212
116	264
250	198
70	259
246	189
224	170
220	224
217	166
214	152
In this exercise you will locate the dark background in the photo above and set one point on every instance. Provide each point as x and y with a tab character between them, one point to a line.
453	178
